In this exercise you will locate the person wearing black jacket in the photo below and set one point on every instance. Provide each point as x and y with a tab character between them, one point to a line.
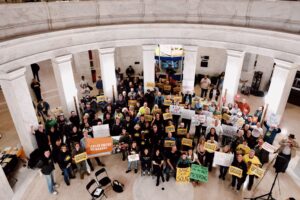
35	71
47	168
65	163
42	140
74	119
36	87
239	163
158	164
145	162
124	142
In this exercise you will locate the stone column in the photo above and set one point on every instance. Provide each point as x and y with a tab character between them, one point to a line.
6	191
148	65
281	83
63	72
108	72
189	68
233	71
20	105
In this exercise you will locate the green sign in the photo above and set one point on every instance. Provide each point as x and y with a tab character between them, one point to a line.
199	173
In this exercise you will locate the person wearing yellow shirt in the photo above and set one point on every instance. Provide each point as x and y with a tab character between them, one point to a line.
251	159
243	148
144	109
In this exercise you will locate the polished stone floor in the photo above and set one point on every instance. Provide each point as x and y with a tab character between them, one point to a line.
137	187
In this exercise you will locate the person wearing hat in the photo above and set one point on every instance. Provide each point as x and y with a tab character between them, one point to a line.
287	150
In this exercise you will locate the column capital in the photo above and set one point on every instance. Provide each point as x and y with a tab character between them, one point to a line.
235	53
109	50
190	48
11	75
149	47
62	59
284	64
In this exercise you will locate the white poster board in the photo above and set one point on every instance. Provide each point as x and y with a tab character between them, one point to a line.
273	120
187	114
268	147
134	157
101	130
175	110
229	131
197	119
223	159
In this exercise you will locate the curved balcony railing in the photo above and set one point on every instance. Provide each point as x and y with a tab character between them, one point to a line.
31	18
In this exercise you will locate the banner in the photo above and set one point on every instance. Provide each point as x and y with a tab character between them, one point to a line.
223	159
167	116
181	131
169	143
175	110
235	171
255	170
167	102
199	173
131	102
187	142
134	157
268	147
80	157
229	131
148	118
99	146
170	129
187	114
101	130
210	147
101	98
183	175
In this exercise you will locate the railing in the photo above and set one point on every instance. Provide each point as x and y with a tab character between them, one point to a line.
31	18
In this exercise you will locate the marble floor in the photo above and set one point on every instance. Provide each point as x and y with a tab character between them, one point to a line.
32	186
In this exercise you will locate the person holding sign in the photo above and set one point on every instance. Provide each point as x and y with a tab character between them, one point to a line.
271	132
261	153
65	162
210	154
224	169
158	162
81	166
251	159
183	161
169	138
172	160
238	181
133	150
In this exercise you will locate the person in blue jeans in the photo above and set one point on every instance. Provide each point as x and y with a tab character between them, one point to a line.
47	169
65	163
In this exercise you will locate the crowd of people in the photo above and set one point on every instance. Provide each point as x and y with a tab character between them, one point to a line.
61	139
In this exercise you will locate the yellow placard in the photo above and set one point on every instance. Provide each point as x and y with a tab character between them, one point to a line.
132	102
170	129
176	89
155	111
187	142
101	98
163	80
255	170
159	85
148	118
177	99
181	131
226	117
210	147
235	171
150	84
80	157
167	116
183	174
167	102
169	143
167	87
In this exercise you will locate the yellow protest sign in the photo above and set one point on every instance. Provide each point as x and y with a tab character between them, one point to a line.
101	98
170	128
148	118
159	85
167	102
155	111
210	147
183	174
177	98
176	90
167	116
132	102
235	171
187	142
167	87
80	157
181	131
169	143
226	117
255	170
150	84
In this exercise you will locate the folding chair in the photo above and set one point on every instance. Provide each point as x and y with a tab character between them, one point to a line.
95	190
102	178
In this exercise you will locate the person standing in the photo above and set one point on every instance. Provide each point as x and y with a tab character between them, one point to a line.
129	71
99	85
158	163
43	108
36	87
65	163
47	169
204	84
35	71
251	159
238	181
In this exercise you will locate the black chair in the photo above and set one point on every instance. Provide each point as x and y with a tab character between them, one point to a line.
95	190
102	178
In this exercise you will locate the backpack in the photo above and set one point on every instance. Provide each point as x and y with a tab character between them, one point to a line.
117	186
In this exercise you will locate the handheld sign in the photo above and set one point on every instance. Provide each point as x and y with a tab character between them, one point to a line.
101	130
150	85
210	147
229	131
167	87
187	114
155	111
223	159
148	118
175	110
255	170
181	131
101	98
235	171
80	157
170	128
132	103
134	157
167	116
177	99
183	174
199	173
187	142
99	146
268	147
167	102
169	143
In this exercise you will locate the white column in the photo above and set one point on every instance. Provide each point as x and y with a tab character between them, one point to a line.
108	71
148	65
5	190
189	69
281	84
20	106
233	71
63	72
